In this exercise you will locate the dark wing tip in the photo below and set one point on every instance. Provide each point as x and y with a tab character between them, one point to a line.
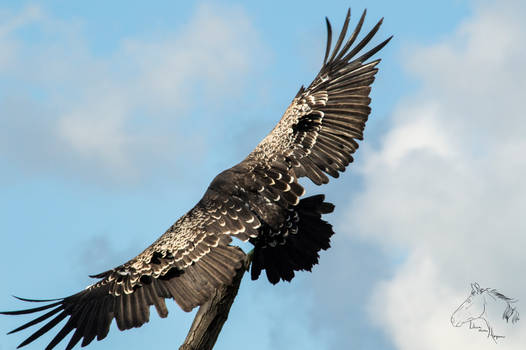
341	37
36	300
329	39
374	50
349	55
343	54
30	311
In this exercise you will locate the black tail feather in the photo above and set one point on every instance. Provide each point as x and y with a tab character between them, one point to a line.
296	246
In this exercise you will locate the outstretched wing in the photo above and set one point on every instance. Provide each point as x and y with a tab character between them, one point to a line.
317	134
187	263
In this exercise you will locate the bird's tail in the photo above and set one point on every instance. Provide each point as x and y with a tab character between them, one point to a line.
295	247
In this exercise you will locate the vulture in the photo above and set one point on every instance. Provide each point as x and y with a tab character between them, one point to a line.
258	200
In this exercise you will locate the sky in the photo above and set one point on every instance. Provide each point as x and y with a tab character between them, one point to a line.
114	117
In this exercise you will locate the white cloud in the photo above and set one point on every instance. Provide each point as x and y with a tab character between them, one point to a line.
415	308
8	24
215	48
116	114
447	183
101	140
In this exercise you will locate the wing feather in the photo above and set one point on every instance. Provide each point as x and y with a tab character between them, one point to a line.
186	264
329	114
315	137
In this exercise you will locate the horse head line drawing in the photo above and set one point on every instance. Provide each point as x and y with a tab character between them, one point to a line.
475	310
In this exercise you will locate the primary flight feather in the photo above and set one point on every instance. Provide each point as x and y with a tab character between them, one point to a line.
258	200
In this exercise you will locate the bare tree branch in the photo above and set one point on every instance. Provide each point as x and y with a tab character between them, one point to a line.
212	315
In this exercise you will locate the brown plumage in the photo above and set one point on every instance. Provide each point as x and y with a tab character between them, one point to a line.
257	200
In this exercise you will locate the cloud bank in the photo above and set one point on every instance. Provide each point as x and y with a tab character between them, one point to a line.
447	185
66	107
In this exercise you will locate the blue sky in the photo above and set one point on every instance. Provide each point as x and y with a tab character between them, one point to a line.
114	117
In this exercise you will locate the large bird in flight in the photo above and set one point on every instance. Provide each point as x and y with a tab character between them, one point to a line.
258	200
